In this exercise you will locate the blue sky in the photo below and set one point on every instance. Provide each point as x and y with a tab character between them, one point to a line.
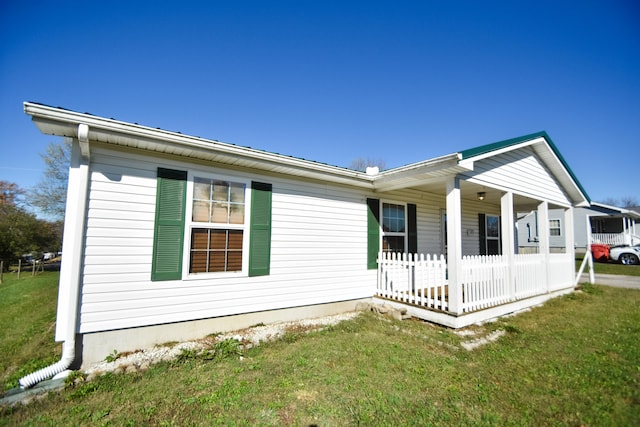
332	81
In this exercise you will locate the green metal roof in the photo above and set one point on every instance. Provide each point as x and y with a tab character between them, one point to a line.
483	149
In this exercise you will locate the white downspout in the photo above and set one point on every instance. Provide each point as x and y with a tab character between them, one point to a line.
72	250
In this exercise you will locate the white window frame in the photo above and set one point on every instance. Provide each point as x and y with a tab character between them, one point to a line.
443	232
190	225
488	238
383	233
559	227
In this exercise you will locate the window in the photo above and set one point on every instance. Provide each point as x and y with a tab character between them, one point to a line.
443	231
217	226
490	243
554	227
493	235
206	222
393	227
393	231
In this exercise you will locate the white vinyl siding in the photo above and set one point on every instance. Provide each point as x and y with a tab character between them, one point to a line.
429	208
528	236
521	172
471	226
318	250
318	242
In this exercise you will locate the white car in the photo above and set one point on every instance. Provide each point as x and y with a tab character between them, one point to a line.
625	254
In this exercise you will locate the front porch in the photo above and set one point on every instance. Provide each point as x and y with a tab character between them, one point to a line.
466	208
616	229
488	286
615	239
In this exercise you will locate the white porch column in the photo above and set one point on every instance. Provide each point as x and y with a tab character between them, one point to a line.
543	238
569	232
454	244
508	238
588	254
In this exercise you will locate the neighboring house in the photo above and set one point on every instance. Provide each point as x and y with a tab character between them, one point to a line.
597	223
609	225
171	237
527	229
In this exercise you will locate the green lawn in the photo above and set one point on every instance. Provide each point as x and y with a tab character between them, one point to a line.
610	267
27	315
574	361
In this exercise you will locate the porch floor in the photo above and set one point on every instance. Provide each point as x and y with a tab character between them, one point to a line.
460	320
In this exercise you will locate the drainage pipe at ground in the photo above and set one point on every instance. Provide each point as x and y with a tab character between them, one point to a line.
68	356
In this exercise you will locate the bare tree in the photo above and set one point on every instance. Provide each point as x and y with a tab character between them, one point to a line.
361	164
625	202
49	196
629	202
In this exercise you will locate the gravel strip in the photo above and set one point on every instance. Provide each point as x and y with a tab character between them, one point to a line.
140	360
473	344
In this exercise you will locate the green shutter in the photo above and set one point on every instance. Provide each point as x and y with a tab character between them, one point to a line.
260	231
373	233
412	229
168	239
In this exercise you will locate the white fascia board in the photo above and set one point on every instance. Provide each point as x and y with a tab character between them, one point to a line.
505	149
562	174
419	173
423	166
622	211
56	121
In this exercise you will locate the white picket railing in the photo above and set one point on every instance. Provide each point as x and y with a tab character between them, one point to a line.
485	281
414	278
612	239
561	269
488	281
529	275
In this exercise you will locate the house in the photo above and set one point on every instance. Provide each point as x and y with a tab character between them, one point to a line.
595	224
610	225
172	237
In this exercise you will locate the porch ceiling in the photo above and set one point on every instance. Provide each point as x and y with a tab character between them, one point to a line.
492	196
437	184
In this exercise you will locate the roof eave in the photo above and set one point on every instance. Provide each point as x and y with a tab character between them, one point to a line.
59	122
416	174
623	211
